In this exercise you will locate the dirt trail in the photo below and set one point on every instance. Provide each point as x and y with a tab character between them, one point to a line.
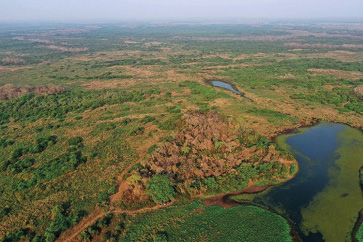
220	200
72	234
142	150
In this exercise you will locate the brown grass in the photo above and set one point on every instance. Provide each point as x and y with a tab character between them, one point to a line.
359	90
355	75
10	91
340	55
11	69
149	75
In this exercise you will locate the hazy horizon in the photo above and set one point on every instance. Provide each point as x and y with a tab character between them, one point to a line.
188	10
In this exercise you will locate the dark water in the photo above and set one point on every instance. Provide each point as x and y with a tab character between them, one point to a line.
315	151
227	86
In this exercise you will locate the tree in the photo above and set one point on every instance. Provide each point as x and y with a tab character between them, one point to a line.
160	188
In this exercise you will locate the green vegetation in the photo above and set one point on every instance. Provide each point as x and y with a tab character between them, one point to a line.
271	115
89	103
337	97
359	234
33	107
95	229
193	223
160	188
207	156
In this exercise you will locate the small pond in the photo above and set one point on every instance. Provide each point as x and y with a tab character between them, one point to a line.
227	86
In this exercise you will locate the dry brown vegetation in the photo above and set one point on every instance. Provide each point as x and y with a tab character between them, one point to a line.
142	76
359	90
340	55
325	46
17	60
190	155
206	145
10	91
40	41
355	75
66	49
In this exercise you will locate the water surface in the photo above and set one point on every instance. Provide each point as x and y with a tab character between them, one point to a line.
227	86
324	199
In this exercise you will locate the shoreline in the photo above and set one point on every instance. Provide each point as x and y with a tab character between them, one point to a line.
242	94
293	130
224	201
214	200
357	224
310	122
359	221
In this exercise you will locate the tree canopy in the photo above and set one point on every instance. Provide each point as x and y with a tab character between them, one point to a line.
160	188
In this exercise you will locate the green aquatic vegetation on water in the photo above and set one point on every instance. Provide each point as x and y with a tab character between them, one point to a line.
334	210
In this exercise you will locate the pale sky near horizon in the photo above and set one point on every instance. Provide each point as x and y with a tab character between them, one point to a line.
121	10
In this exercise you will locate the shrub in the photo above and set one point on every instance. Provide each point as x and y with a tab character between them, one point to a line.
160	237
147	119
160	188
75	140
293	168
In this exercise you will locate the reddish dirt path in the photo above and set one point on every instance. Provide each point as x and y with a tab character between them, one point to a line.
219	200
141	150
70	235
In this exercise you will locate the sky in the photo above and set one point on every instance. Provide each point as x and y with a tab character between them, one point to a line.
131	10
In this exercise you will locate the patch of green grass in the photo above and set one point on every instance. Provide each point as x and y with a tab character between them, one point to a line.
203	92
271	115
213	223
359	234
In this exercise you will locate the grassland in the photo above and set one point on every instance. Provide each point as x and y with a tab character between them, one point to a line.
215	223
194	222
66	156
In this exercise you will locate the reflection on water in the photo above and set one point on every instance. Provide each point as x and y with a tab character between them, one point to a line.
217	83
323	171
